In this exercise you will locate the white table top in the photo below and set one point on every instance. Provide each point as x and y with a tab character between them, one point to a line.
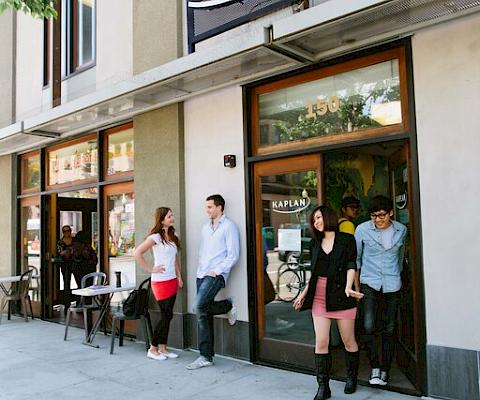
98	290
4	279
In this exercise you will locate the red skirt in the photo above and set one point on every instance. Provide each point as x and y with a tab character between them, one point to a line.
164	289
319	309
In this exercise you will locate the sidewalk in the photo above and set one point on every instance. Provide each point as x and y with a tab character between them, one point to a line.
35	363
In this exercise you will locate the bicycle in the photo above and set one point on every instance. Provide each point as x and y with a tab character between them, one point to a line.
291	279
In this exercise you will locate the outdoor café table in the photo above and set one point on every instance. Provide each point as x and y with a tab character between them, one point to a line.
97	290
10	279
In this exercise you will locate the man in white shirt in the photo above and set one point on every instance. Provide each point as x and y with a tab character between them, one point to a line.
219	252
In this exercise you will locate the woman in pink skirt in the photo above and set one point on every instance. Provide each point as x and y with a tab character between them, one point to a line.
165	275
330	296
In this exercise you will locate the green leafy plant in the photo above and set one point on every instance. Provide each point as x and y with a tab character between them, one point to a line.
36	8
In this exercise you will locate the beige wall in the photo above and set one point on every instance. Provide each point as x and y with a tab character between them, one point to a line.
214	127
157	33
159	171
7	211
6	67
446	61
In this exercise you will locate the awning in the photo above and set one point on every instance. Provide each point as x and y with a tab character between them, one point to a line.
336	27
321	32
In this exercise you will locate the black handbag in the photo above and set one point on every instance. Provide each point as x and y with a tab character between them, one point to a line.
136	304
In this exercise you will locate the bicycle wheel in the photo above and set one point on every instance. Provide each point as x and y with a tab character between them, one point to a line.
289	285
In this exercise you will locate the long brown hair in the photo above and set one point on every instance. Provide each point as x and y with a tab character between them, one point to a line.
159	217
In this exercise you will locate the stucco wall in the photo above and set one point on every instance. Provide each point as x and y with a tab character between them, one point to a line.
446	62
158	138
214	127
6	67
6	214
157	33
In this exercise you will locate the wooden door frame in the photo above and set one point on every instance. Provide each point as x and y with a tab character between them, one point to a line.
265	168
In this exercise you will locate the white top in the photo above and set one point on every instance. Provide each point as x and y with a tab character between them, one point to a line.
163	254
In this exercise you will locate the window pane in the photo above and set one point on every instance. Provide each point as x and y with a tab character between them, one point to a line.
352	101
287	201
120	152
86	28
73	163
121	239
31	172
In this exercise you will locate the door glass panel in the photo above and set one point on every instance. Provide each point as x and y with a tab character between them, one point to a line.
30	228
287	201
121	240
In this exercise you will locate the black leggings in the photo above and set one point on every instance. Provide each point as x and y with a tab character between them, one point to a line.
160	333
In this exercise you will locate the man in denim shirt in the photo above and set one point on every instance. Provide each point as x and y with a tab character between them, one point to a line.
218	254
380	250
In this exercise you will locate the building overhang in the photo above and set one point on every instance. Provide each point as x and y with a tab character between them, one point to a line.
318	33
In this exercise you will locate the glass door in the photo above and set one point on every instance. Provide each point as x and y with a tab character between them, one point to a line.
30	247
286	191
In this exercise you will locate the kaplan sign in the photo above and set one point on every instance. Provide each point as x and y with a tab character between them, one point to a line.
290	206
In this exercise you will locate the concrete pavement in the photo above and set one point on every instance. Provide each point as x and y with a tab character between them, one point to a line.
35	363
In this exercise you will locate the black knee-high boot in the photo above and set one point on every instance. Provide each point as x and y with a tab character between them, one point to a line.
352	360
323	364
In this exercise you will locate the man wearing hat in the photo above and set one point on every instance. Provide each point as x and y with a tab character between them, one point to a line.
350	210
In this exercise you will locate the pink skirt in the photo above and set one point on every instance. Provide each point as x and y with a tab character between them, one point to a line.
318	308
164	289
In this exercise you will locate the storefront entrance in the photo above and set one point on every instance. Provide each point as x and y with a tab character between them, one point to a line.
286	191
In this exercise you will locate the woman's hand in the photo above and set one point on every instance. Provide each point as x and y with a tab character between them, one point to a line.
353	293
158	269
180	282
298	303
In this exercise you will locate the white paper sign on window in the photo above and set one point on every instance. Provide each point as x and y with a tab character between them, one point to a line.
290	239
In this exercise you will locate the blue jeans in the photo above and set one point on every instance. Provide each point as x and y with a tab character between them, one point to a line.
379	317
206	307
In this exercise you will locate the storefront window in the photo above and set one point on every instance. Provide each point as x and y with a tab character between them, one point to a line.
121	239
120	152
30	166
352	101
74	163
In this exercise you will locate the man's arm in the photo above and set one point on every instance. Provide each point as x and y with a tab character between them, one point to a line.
232	242
401	251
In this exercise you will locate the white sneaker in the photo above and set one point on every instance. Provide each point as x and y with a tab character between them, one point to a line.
232	315
375	377
168	354
153	356
200	362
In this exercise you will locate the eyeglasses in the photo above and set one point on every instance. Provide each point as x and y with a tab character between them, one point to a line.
380	215
353	206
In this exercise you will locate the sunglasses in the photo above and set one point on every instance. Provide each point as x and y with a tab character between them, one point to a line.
66	230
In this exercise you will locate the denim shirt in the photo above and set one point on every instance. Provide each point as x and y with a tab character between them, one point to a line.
380	267
219	248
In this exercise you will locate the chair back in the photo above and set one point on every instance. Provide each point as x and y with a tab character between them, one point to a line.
21	287
94	278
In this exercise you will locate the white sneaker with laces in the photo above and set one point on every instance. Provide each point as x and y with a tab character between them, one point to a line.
169	354
232	315
153	356
375	377
200	362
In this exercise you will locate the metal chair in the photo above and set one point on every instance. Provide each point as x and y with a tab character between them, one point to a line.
121	317
18	291
94	278
35	285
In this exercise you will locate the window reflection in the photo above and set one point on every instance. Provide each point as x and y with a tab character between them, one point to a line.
30	172
30	220
120	152
357	100
121	239
73	163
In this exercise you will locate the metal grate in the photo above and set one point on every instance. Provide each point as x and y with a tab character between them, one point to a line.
400	15
205	23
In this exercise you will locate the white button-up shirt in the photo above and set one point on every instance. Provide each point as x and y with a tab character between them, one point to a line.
219	248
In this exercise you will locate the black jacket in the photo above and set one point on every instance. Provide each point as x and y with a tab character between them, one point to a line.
342	258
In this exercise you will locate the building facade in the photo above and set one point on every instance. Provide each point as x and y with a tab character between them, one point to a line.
100	123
